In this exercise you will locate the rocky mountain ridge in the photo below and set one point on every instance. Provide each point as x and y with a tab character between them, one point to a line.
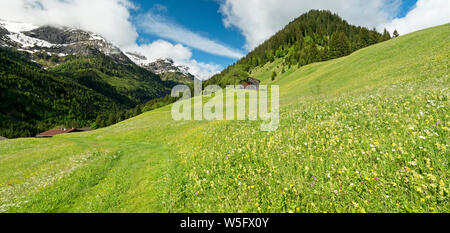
66	41
57	41
161	66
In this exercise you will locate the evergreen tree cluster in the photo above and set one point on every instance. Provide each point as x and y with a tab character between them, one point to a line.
73	94
33	100
128	85
111	118
315	36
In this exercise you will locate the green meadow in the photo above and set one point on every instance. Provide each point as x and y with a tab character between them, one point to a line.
364	133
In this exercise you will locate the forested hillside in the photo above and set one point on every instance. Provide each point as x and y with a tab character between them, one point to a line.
71	94
127	84
32	99
312	37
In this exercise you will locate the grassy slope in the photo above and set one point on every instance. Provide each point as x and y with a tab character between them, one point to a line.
350	140
119	81
33	99
71	94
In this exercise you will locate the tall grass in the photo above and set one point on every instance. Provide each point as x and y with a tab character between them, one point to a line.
364	133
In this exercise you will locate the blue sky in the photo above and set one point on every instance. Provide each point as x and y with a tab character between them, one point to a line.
208	35
406	6
203	17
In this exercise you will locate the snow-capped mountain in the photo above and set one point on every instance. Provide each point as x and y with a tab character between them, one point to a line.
58	41
160	66
67	41
166	68
167	65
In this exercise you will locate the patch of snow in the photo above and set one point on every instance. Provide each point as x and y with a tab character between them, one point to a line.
183	69
97	37
28	42
25	50
17	27
136	59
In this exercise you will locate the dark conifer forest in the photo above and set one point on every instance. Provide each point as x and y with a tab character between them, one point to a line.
76	93
313	37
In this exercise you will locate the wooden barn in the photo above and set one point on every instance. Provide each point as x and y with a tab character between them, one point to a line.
53	132
251	84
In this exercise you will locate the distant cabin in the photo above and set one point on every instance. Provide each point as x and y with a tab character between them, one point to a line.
251	84
53	132
2	138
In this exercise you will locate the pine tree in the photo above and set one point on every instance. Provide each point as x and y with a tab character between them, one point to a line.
396	34
120	116
100	121
274	75
386	35
137	111
312	53
339	45
112	119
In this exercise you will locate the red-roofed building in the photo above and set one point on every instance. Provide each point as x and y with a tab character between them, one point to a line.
251	84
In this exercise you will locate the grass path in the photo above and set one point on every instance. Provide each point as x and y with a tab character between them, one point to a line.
89	172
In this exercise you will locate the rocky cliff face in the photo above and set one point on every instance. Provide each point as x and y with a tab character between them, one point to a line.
3	33
59	41
59	36
161	66
65	41
166	68
168	71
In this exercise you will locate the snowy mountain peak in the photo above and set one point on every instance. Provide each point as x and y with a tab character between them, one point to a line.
56	40
16	27
167	65
160	66
63	41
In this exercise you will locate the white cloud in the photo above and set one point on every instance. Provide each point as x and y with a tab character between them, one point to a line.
179	53
260	19
109	18
158	25
202	70
427	13
161	49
